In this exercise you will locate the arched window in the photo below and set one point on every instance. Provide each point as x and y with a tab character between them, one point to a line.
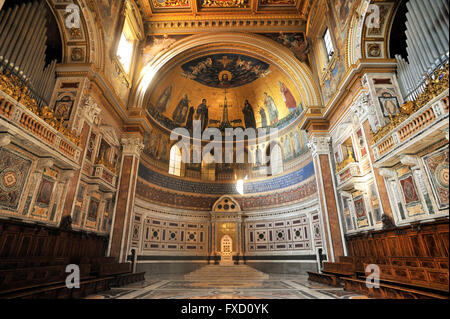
276	160
208	168
328	44
175	161
125	50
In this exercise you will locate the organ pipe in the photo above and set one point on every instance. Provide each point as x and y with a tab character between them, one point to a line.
427	38
23	37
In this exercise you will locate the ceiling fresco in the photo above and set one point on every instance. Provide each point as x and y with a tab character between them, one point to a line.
225	70
294	41
231	92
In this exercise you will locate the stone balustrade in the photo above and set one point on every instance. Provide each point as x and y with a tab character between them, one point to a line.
349	171
433	112
102	172
14	113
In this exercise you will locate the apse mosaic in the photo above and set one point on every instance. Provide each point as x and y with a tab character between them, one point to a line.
225	91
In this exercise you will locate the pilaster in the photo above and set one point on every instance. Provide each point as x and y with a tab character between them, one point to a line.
320	147
121	224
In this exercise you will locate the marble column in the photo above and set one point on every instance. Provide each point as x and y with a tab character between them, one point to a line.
320	148
121	224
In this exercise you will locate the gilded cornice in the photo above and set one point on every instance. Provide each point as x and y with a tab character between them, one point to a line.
246	23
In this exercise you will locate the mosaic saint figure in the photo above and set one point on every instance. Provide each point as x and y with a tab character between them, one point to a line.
263	117
190	119
161	105
287	148
271	108
288	98
258	156
297	146
202	114
180	113
249	115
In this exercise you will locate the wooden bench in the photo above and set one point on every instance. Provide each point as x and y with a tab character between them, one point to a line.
60	290
339	268
29	262
12	280
323	278
431	278
114	269
388	291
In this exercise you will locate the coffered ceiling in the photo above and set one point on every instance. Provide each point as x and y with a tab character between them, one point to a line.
239	15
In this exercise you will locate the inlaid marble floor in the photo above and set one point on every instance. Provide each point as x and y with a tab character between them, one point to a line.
276	287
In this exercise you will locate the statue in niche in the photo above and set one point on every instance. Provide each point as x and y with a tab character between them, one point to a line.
288	98
202	114
180	113
271	108
249	116
190	119
163	100
262	113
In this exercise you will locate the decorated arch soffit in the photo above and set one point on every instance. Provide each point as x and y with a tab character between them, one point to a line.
78	43
226	63
367	40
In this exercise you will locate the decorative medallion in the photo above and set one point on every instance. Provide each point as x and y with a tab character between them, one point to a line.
14	171
437	167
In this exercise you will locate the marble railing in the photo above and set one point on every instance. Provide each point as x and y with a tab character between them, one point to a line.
350	170
423	119
18	115
105	174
